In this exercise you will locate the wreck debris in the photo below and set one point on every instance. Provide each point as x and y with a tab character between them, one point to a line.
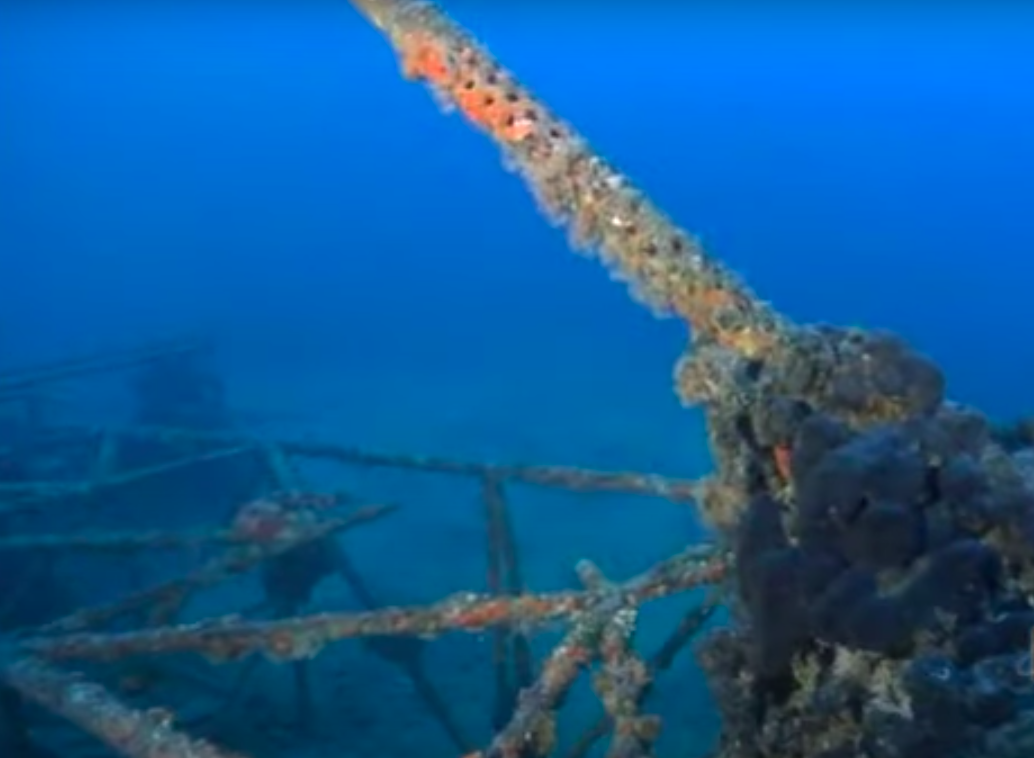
304	636
133	733
281	532
238	560
532	728
623	679
688	628
563	477
511	653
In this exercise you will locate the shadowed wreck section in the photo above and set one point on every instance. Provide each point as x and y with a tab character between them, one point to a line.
883	537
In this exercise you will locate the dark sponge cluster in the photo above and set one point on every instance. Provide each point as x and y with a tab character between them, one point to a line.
857	375
884	606
876	548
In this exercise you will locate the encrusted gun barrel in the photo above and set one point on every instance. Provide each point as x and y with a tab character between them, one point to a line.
605	214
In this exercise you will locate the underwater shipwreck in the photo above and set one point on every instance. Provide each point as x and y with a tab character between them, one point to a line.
872	540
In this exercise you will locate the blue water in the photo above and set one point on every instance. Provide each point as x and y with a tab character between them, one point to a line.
373	275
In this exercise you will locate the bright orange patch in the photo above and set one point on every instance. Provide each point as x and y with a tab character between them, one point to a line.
422	59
